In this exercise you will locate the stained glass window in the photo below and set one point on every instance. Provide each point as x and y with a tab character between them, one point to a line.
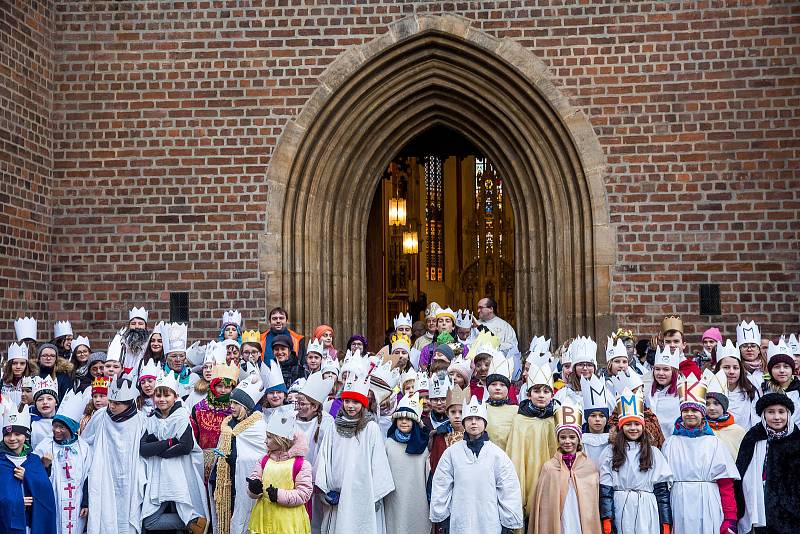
489	207
434	218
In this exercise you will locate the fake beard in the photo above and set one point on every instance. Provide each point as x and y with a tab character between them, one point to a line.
136	338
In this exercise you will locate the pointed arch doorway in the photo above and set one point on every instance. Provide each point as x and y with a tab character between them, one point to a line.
423	73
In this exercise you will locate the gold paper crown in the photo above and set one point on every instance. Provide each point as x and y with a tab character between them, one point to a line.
690	389
568	415
100	385
456	395
621	333
671	322
251	336
224	370
630	407
400	339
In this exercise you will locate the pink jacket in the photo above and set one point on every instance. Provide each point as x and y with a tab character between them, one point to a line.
303	483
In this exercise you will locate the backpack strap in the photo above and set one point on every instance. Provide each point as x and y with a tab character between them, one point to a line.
264	461
298	465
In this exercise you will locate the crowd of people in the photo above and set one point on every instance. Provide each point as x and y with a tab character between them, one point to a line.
447	429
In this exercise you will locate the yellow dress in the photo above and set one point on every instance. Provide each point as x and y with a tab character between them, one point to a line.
272	518
499	423
531	443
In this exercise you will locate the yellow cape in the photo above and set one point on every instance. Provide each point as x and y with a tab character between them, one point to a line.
531	443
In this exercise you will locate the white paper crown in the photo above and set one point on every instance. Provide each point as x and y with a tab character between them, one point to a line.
316	388
539	375
383	380
431	310
27	382
253	386
150	370
232	317
411	374
176	340
668	356
216	353
747	333
583	350
715	382
615	350
25	328
440	384
354	363
358	383
73	404
18	352
463	319
273	376
728	350
45	385
114	352
196	354
623	381
62	328
500	365
446	312
330	365
423	382
124	392
403	319
78	341
473	408
14	417
794	344
138	313
316	346
281	422
593	392
169	380
774	349
412	404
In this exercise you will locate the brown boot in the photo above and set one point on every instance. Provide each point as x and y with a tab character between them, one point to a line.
198	525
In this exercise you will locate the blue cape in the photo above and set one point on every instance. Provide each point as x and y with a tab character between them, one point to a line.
14	518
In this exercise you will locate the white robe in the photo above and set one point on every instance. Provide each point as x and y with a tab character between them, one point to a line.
635	506
571	513
68	472
406	505
178	479
309	428
41	429
743	409
595	445
503	330
116	476
478	494
666	407
697	463
358	469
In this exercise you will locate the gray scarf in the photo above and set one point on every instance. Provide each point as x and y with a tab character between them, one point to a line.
348	427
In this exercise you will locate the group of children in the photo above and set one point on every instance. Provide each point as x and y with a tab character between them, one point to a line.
262	433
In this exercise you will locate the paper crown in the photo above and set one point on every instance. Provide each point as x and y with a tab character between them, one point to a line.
383	379
462	366
316	347
774	349
411	374
794	345
463	319
225	371
122	390
615	349
622	381
456	396
715	382
330	365
28	381
297	385
402	320
422	383
539	375
196	354
45	385
401	341
176	340
14	417
78	341
281	422
251	336
583	350
473	408
621	333
73	404
168	380
440	383
151	370
484	343
230	343
671	322
668	356
357	388
446	312
500	365
62	328
100	385
354	363
431	310
114	352
18	352
137	313
691	390
215	352
232	317
593	392
728	350
25	328
747	333
630	407
317	388
252	386
273	378
569	415
539	347
410	407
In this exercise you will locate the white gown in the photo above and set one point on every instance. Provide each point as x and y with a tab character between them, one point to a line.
697	463
358	469
406	506
635	507
478	494
666	407
41	429
595	445
68	472
503	330
743	409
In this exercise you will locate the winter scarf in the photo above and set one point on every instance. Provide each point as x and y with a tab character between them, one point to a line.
348	427
723	422
416	441
528	409
126	414
476	444
681	430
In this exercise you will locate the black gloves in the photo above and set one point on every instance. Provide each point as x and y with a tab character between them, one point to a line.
606	502
255	486
661	491
272	493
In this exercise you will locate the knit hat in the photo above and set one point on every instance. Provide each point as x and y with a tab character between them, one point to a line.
43	346
772	399
282	340
712	333
97	357
720	398
446	350
357	337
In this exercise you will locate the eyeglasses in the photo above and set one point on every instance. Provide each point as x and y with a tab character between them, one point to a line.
251	353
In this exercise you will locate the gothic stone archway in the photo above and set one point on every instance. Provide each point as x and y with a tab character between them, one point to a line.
439	71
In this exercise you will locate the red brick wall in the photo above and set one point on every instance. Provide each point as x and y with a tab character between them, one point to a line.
166	114
26	161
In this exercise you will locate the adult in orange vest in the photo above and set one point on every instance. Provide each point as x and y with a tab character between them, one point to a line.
278	325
